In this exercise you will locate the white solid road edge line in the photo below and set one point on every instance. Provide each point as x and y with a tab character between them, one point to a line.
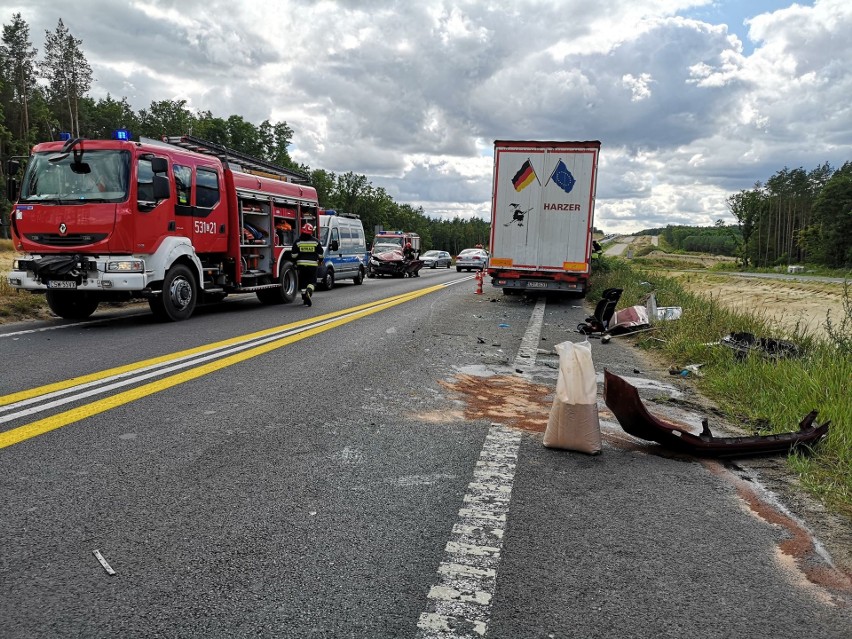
460	601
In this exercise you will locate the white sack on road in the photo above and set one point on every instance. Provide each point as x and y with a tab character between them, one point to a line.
573	423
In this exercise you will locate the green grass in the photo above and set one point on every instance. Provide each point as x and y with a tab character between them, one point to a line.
15	304
755	391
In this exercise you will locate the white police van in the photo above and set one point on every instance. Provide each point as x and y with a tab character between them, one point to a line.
344	249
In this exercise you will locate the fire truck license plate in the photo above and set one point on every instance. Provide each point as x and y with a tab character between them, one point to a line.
61	284
536	284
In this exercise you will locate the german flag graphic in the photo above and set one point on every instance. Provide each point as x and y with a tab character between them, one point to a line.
524	176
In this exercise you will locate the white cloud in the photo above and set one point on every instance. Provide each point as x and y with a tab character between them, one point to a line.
413	99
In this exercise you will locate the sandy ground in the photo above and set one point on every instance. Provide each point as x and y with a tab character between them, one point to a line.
784	304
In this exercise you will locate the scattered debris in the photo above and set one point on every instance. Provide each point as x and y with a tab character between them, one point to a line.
503	326
604	310
624	402
661	313
100	558
629	320
687	370
479	340
744	343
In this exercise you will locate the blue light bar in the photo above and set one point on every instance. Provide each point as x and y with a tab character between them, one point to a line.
121	134
64	136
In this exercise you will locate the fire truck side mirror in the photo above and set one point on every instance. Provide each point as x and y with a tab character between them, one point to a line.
12	168
159	165
162	187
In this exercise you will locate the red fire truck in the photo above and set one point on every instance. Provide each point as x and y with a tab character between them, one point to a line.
175	222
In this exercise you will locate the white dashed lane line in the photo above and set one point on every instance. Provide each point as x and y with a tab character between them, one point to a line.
460	601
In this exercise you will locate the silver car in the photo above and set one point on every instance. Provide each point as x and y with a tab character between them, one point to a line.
436	259
472	259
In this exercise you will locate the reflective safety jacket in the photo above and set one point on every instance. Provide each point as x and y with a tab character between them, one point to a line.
307	251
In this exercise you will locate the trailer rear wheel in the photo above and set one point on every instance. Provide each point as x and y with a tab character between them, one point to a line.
72	305
179	296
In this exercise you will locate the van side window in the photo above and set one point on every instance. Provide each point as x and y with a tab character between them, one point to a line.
183	184
207	188
345	237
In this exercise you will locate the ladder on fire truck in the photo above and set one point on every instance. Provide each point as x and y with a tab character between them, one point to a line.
237	160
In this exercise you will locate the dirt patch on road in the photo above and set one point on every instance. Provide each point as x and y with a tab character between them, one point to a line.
785	304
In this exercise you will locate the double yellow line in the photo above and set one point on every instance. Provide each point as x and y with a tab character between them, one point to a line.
33	429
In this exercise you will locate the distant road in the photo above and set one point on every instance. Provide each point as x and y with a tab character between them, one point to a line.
778	276
621	244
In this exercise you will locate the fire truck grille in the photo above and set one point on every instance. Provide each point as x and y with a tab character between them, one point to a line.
72	239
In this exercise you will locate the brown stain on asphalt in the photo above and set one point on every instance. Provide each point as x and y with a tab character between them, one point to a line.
513	401
799	546
519	403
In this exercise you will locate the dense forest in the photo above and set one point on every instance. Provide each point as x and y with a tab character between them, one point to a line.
795	216
720	239
41	96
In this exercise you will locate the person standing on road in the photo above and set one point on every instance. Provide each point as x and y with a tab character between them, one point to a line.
408	256
307	252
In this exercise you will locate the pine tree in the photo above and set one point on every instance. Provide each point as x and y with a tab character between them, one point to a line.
18	73
67	72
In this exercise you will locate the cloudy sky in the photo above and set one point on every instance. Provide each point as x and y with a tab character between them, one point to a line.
692	100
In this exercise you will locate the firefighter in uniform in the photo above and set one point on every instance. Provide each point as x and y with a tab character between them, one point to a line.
307	252
408	255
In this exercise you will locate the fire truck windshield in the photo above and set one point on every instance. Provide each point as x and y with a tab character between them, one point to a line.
97	176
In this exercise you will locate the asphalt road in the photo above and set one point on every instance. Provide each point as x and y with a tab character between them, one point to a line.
311	472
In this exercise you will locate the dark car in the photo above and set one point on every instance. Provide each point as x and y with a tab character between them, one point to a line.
437	259
472	259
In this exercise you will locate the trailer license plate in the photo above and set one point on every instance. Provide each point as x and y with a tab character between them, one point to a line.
61	284
536	284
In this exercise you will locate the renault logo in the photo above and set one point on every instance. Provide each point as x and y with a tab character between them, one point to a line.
63	229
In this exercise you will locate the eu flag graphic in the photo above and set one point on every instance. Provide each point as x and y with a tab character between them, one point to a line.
562	176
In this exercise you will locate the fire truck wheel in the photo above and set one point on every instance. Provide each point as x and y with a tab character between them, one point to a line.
328	280
179	297
359	279
71	304
286	291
